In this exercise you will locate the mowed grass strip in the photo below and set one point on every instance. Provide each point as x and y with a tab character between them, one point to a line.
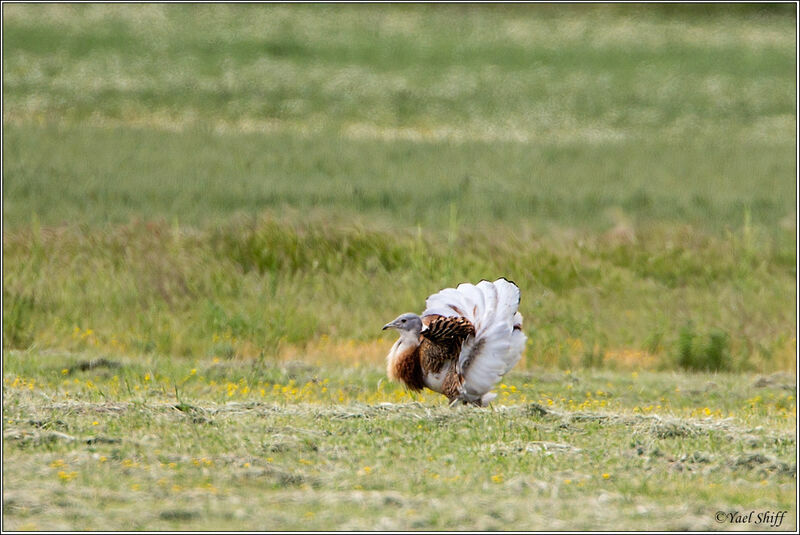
151	443
440	64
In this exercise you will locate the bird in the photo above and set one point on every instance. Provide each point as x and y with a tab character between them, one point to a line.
466	339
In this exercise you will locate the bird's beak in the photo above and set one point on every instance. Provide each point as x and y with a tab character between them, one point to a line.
390	325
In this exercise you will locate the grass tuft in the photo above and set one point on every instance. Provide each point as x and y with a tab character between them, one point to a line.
709	353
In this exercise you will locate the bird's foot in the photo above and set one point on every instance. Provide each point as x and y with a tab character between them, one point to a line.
463	399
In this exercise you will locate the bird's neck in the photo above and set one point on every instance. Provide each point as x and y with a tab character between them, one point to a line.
409	338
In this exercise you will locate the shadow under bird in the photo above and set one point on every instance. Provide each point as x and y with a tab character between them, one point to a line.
463	343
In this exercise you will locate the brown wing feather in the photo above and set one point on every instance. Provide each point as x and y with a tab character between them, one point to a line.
452	330
441	341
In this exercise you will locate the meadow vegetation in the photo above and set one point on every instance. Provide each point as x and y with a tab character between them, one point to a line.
155	443
210	211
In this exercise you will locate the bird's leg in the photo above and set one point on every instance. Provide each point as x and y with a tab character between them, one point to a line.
461	398
453	386
461	390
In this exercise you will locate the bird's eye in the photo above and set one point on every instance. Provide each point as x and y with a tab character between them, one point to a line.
403	321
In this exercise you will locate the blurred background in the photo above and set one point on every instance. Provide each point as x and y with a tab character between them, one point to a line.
279	181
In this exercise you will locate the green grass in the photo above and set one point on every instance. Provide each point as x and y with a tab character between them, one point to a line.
259	286
153	444
216	201
111	174
526	114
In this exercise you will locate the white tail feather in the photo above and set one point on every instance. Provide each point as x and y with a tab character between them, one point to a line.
497	346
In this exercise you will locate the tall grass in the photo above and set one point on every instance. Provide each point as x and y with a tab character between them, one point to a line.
253	286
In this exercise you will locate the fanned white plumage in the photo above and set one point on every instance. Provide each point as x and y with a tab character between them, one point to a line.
491	307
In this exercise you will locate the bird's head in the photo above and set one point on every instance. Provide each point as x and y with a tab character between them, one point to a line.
406	323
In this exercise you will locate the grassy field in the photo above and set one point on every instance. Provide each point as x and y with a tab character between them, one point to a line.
210	211
156	443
